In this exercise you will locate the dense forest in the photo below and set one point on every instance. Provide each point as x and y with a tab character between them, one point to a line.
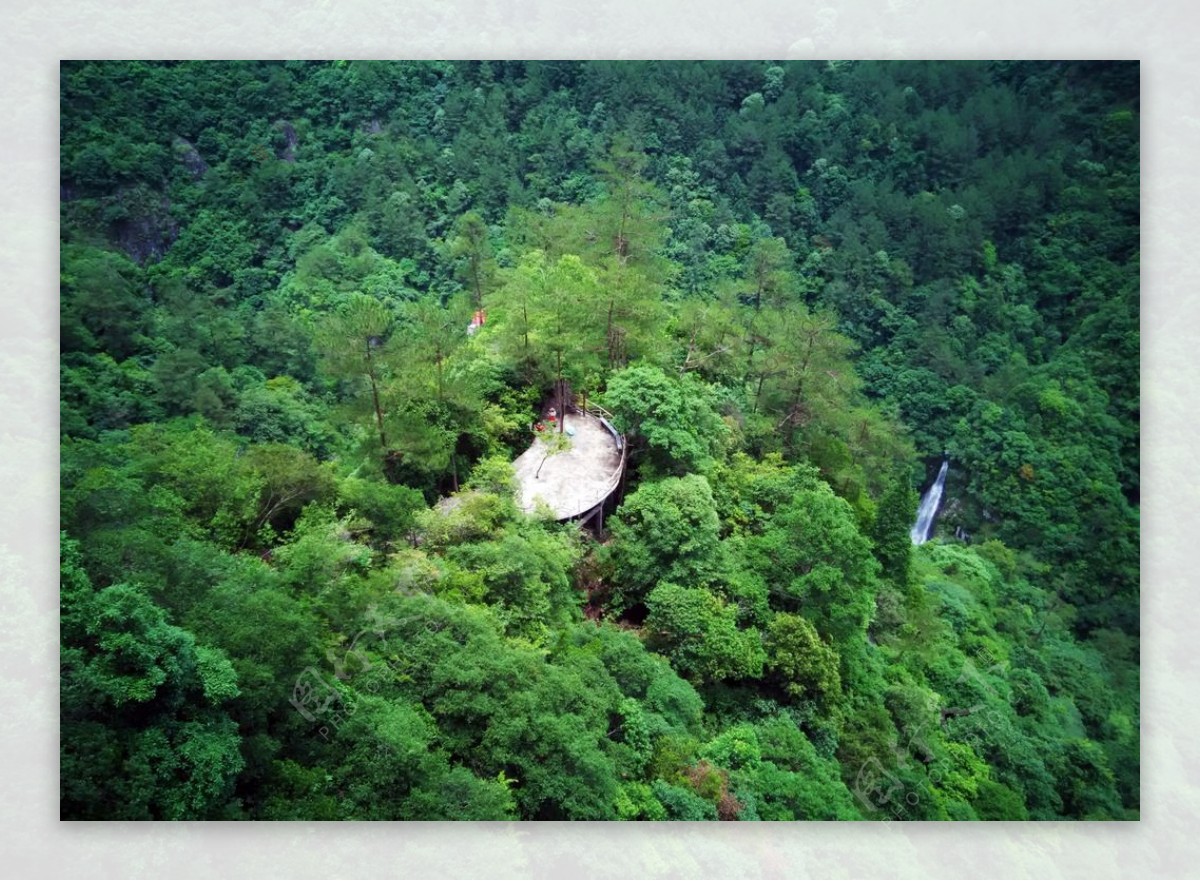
797	287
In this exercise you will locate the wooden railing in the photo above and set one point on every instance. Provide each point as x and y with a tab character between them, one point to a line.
606	420
583	405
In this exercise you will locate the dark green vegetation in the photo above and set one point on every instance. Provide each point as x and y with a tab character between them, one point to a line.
794	285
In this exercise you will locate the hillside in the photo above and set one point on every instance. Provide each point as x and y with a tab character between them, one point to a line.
797	287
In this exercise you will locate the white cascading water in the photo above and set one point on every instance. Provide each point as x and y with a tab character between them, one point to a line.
929	506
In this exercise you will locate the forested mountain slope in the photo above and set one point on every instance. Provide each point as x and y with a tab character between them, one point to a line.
797	286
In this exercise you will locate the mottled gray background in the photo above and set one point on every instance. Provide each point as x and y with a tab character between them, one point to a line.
33	843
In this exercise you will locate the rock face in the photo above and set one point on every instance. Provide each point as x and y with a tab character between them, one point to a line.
290	141
187	154
145	229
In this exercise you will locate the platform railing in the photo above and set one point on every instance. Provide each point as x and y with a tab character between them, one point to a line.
606	418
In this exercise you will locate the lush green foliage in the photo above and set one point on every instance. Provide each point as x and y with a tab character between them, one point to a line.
296	583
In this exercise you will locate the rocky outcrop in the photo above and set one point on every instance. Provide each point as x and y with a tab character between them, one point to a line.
187	154
145	228
291	140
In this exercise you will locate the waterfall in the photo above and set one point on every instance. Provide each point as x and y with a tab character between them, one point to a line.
929	506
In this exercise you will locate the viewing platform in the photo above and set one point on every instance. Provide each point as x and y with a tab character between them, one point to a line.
577	480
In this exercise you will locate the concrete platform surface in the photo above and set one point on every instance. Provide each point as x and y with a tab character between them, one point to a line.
576	480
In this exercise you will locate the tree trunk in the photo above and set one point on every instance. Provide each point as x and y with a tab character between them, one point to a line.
438	358
792	413
375	396
525	328
608	334
750	359
758	391
562	404
476	261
